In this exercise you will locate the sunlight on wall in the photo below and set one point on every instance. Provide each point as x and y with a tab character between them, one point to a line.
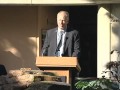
7	46
103	39
32	40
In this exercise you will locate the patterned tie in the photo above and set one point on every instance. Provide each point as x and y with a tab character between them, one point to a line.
59	44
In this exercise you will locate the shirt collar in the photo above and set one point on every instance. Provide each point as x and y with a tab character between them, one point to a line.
61	30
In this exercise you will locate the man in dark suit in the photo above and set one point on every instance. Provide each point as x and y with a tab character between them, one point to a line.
70	43
62	40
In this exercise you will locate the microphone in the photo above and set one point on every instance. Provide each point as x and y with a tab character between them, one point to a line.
66	37
112	52
45	51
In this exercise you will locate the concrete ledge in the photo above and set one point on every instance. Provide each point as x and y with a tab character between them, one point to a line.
58	2
63	2
107	1
15	1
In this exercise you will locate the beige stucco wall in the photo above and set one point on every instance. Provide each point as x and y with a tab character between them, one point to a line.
18	31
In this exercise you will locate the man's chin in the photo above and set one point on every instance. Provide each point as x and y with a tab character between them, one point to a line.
62	28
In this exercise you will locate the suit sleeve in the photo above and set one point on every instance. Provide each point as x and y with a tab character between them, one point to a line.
76	43
46	43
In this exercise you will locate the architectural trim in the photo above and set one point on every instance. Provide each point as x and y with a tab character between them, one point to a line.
57	2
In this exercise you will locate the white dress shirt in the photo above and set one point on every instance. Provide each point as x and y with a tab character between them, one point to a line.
63	40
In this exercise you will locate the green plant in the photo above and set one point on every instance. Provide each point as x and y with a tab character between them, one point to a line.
97	84
113	83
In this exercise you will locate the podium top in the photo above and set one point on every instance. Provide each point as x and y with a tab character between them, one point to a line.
59	62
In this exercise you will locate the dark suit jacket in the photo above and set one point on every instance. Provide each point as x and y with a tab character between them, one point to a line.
71	46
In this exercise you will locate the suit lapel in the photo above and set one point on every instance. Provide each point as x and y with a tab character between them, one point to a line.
54	38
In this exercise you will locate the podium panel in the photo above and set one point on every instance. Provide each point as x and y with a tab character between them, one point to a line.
62	66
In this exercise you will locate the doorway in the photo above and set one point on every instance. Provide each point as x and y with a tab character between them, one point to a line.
84	19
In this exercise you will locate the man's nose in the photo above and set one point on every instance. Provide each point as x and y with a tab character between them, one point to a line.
61	22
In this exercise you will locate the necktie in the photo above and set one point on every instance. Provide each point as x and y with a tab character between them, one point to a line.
59	44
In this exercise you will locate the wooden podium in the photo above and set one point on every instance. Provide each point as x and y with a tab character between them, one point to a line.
62	66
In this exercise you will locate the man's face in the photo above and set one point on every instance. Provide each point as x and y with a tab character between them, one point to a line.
62	20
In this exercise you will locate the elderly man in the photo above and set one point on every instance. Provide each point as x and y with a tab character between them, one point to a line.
62	40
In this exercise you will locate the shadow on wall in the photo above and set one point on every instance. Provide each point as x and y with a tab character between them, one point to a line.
18	32
18	53
115	35
114	17
10	61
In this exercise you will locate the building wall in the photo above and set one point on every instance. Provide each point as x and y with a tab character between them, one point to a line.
103	38
115	31
108	35
21	28
18	31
